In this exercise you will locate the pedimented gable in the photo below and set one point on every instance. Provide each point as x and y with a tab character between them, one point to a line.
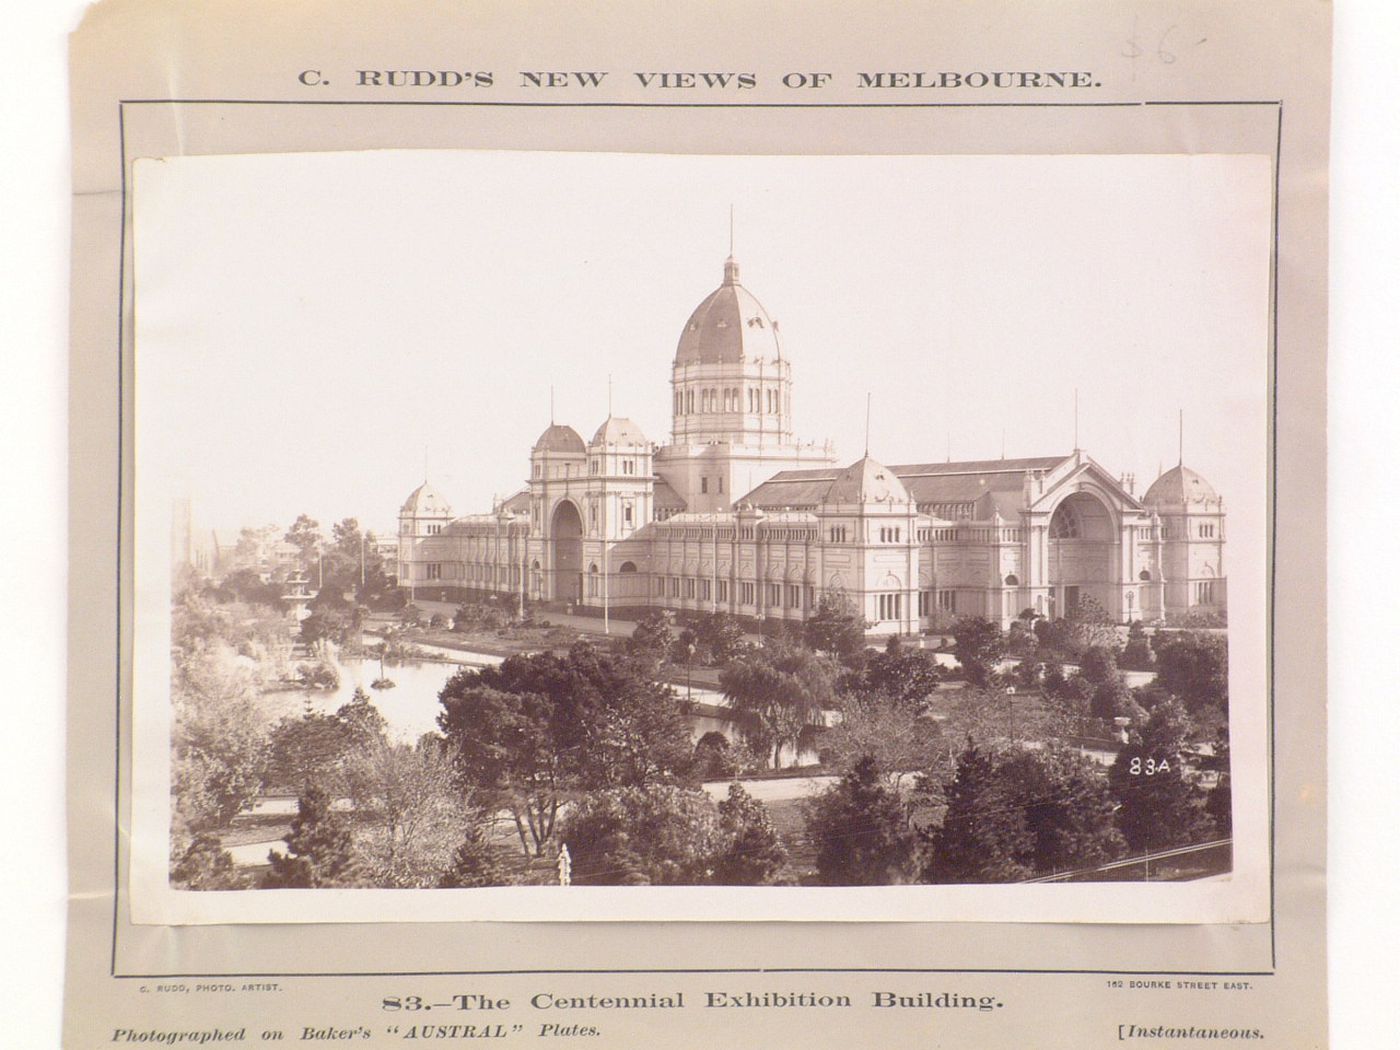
1084	476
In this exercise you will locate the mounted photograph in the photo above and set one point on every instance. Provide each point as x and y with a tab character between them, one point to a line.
586	536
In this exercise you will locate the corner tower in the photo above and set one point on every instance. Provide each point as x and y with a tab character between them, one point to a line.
731	402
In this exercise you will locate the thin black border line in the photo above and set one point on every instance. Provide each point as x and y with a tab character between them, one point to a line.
1273	550
557	104
1273	561
704	970
121	518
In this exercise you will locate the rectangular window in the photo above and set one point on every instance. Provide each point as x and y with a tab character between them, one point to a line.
704	484
434	571
627	514
722	590
690	586
947	601
775	594
705	590
720	481
746	593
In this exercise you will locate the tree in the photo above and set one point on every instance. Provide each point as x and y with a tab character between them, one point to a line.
904	674
984	836
860	832
653	638
246	585
318	748
251	551
777	692
1137	653
1099	664
319	849
662	835
718	638
364	725
751	854
206	865
1021	641
307	750
895	733
977	643
410	801
539	726
1089	624
836	628
1068	809
715	758
1030	673
305	536
1159	803
1193	667
348	548
474	863
1054	636
219	736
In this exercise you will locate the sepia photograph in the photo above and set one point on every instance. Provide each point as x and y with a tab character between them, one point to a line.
514	520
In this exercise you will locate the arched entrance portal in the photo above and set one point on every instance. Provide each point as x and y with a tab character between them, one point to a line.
1083	556
566	539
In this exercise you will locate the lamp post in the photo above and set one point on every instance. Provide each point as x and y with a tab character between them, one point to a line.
689	655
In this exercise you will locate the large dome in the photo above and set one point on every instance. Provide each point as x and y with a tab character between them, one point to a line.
425	502
1180	485
729	327
559	438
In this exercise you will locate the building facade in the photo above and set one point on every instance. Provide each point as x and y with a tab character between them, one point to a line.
736	515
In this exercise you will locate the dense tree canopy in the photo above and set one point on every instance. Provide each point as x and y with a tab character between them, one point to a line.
977	643
1160	805
1193	667
319	848
778	691
662	835
859	829
540	726
836	628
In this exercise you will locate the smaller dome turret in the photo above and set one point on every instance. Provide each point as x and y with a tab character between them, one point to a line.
618	431
425	502
866	481
560	439
1178	486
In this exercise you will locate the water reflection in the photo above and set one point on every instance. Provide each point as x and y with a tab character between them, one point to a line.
410	708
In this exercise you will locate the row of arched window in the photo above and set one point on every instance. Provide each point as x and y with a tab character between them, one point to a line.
727	399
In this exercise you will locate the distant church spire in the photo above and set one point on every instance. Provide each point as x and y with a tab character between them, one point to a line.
1180	437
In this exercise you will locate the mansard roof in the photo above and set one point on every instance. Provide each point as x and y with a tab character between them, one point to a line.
518	503
994	484
664	497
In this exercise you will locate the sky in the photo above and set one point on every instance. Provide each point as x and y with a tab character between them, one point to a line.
318	332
